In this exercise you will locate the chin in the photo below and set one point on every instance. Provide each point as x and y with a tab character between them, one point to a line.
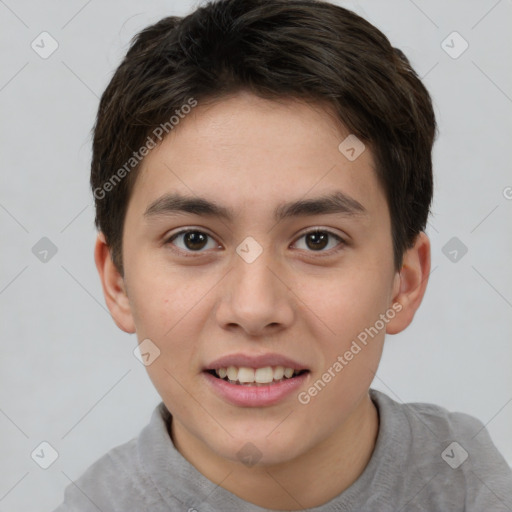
258	449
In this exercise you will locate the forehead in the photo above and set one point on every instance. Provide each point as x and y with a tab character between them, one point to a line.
247	152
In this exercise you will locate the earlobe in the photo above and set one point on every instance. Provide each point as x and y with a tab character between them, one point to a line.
411	284
113	285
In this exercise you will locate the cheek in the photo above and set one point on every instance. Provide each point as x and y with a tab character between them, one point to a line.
351	355
168	307
351	301
161	297
352	307
358	309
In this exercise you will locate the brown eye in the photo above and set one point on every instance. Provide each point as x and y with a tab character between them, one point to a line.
318	240
191	240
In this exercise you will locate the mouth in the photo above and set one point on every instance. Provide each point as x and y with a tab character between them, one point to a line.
256	377
264	386
255	380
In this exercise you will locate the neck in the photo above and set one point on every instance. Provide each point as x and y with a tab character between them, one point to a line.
333	465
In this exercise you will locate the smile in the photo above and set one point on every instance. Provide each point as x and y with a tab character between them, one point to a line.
253	393
246	376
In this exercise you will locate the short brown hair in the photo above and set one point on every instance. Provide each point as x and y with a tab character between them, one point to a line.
304	49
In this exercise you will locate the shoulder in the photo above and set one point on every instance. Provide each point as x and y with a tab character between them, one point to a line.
103	485
434	421
117	481
442	422
449	456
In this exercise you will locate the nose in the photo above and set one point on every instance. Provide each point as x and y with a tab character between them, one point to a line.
256	297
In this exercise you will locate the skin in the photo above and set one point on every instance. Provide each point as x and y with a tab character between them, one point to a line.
252	154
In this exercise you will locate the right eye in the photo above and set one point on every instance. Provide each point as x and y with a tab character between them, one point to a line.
192	240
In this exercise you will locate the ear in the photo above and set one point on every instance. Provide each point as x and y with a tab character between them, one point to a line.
410	284
114	288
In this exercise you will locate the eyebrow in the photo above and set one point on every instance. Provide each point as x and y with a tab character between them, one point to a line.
336	202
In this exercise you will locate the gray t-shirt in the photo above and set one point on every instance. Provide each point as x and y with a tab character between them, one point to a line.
425	458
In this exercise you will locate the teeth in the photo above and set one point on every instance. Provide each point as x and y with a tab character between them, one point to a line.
245	375
232	373
265	375
278	372
288	372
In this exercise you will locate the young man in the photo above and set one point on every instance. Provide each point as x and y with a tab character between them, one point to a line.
262	174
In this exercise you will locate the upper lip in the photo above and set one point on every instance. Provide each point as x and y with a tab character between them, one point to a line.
254	361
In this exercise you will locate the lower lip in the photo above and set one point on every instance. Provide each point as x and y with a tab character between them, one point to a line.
255	396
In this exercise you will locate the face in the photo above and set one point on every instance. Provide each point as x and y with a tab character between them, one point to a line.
270	285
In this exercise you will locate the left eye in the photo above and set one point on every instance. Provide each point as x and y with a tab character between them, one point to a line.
317	240
195	240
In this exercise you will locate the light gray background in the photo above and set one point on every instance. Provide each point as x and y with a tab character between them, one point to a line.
68	375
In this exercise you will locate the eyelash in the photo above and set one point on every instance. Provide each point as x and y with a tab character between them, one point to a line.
193	254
